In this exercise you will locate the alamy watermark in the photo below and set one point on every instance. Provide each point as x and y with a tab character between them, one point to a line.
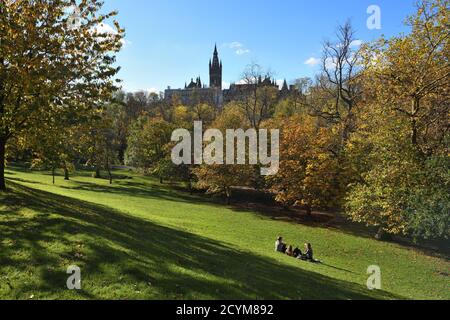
74	280
374	20
374	280
235	148
74	19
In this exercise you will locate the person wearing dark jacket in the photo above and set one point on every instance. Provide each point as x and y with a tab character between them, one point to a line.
309	254
297	253
290	251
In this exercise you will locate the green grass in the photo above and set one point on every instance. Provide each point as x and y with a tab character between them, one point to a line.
137	239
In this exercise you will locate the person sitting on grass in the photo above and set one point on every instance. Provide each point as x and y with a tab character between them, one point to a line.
290	251
309	254
279	245
297	253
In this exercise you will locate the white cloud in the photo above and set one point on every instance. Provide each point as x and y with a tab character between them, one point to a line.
104	28
312	61
280	83
133	89
235	45
353	44
330	63
240	52
238	48
356	43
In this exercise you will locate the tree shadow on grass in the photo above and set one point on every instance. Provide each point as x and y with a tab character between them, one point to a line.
21	180
124	188
136	189
123	257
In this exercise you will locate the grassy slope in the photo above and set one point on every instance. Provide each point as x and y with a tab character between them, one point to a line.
139	240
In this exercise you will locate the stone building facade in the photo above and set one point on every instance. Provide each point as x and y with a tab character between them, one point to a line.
197	92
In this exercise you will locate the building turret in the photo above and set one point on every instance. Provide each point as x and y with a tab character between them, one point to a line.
285	89
215	71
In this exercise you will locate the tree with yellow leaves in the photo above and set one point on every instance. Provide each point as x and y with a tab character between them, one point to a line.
410	75
220	178
53	64
308	174
400	148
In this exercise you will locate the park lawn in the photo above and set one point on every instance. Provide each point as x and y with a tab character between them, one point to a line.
137	239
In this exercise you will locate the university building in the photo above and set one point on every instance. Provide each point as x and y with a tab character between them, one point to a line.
197	92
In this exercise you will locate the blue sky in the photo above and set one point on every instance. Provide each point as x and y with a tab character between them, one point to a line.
170	41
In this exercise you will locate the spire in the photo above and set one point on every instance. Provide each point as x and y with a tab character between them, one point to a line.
285	89
215	70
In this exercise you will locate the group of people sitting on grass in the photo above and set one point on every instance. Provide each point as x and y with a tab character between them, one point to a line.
308	255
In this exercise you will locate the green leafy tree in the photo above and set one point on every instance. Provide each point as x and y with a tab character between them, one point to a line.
220	178
52	64
410	74
100	144
308	174
148	147
402	132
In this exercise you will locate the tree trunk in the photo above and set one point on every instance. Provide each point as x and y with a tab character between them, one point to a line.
109	173
122	155
66	174
414	132
161	180
97	174
191	191
2	164
228	194
308	210
53	174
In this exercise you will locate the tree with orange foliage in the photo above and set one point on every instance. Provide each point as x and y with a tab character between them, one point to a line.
308	174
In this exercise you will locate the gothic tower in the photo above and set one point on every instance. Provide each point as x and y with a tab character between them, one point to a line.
215	71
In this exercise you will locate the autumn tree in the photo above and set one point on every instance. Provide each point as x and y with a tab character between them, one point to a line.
308	167
99	144
410	74
137	103
400	148
121	123
148	147
203	112
52	63
220	178
51	149
182	116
